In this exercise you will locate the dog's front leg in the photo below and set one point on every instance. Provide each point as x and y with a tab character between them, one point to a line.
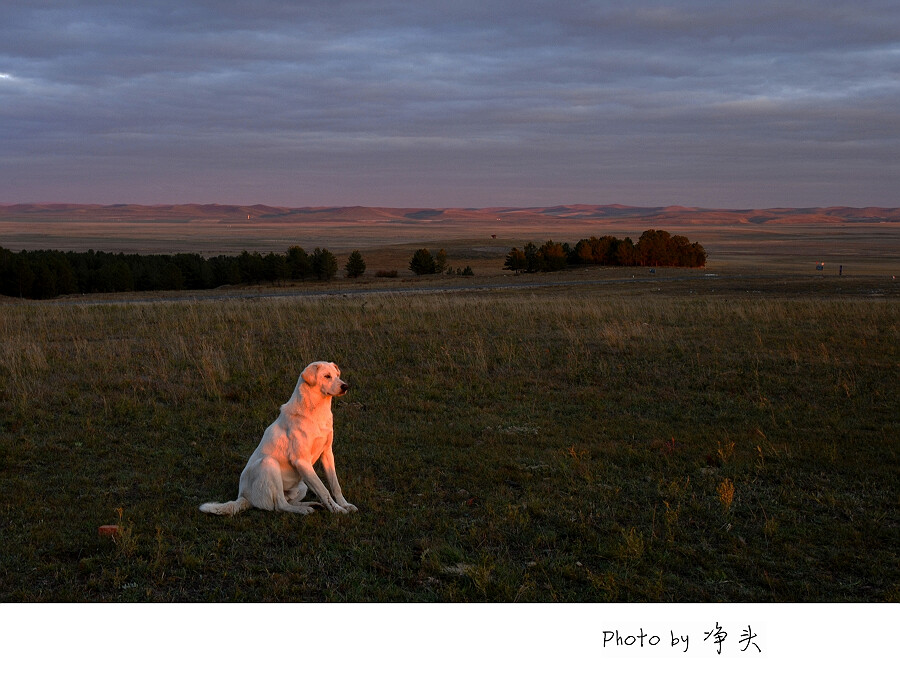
331	474
305	469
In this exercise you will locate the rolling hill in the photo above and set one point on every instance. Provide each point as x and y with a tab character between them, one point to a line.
658	216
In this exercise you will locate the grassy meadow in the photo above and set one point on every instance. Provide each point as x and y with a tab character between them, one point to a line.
682	442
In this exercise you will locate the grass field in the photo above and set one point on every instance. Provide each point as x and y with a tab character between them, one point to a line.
699	439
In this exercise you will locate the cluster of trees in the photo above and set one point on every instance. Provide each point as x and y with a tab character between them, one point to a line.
47	274
423	262
655	248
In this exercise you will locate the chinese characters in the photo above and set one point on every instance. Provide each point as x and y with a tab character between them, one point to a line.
715	638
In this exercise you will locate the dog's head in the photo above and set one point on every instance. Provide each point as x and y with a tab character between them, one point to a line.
325	378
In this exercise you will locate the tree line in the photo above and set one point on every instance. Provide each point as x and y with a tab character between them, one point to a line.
423	262
655	248
47	274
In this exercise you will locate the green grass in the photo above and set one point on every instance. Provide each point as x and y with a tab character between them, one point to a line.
595	443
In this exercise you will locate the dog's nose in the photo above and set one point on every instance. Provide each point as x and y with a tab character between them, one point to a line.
344	387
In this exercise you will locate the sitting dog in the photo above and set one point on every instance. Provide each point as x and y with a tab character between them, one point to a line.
280	470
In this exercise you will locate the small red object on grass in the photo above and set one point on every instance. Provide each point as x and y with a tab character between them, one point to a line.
108	530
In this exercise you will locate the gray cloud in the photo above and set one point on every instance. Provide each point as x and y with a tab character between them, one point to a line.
464	103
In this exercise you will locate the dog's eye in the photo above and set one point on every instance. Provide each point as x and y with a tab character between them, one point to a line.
328	377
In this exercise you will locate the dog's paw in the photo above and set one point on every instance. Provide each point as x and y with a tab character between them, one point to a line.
305	508
334	507
344	508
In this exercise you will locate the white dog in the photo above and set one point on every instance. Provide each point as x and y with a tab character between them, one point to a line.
278	472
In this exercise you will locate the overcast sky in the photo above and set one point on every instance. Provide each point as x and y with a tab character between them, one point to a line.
451	102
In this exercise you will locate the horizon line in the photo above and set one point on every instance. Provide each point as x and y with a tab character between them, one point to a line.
572	205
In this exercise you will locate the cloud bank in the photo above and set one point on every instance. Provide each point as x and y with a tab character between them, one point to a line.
451	104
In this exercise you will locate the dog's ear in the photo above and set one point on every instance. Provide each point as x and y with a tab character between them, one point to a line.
336	369
309	374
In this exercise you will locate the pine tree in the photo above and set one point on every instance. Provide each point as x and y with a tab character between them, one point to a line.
515	261
324	264
355	266
423	262
440	261
298	262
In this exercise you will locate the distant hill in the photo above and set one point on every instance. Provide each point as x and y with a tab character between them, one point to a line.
651	216
681	215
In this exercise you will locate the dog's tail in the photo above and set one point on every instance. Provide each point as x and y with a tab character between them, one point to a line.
226	509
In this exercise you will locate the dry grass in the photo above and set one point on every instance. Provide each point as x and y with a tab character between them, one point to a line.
565	443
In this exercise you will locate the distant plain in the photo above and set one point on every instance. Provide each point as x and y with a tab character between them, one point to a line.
763	241
598	434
